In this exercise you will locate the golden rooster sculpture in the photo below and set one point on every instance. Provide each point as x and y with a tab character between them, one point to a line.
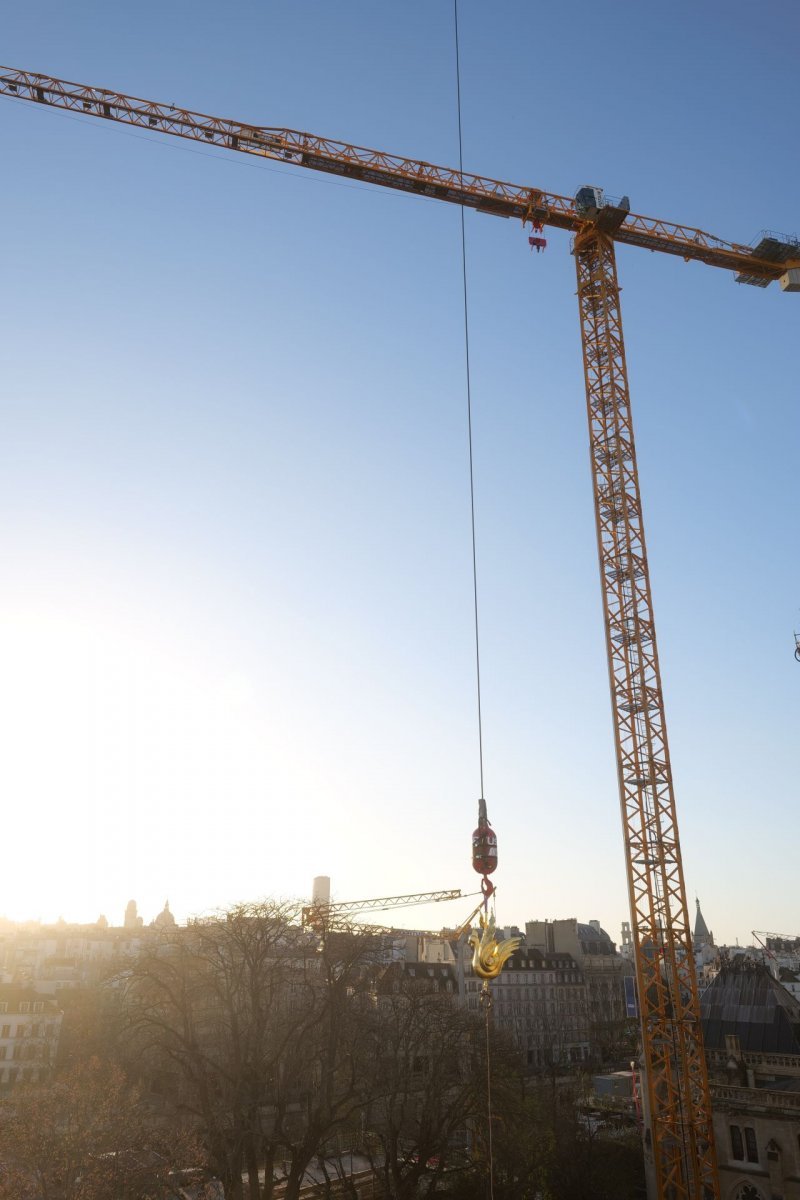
489	955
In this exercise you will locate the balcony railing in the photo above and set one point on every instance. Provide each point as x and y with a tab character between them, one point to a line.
789	1063
744	1097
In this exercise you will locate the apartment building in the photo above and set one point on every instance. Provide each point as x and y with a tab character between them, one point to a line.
30	1026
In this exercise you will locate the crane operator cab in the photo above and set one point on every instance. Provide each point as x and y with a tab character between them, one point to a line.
588	200
797	646
604	211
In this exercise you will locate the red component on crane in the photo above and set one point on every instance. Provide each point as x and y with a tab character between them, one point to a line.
484	848
536	241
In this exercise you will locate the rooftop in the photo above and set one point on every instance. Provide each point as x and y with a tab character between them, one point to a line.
744	999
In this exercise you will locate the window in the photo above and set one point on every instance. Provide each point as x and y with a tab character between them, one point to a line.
38	1006
3	1006
733	1047
737	1146
3	1051
5	1031
24	1006
750	1143
748	1192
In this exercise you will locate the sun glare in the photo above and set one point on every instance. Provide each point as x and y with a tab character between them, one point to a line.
119	754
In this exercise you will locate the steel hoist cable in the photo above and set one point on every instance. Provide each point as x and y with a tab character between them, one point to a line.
469	410
484	842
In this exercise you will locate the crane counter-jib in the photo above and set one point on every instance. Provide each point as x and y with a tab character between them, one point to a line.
771	260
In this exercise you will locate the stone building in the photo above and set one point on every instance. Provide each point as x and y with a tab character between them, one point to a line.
30	1024
540	1002
53	958
751	1028
604	972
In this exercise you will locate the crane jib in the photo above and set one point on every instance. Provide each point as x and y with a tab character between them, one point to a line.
771	259
435	191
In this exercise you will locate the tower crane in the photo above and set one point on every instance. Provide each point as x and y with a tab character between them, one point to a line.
771	943
322	912
677	1090
779	941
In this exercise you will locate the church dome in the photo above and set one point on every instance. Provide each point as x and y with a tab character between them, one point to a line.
165	919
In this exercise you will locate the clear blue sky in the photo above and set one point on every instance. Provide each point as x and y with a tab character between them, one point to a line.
236	634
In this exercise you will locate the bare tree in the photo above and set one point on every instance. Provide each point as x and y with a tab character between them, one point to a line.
249	1025
85	1137
425	1086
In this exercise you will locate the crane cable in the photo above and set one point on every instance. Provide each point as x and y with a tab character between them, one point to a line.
469	411
485	994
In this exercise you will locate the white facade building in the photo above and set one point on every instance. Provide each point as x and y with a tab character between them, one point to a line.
30	1026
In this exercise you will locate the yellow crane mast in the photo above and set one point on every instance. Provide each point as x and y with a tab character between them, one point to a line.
677	1091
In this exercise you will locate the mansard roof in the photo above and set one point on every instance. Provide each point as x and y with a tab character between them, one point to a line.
12	995
744	999
593	940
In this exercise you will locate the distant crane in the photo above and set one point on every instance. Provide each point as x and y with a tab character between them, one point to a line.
320	913
764	940
678	1097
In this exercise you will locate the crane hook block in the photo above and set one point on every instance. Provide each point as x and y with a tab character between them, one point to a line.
484	848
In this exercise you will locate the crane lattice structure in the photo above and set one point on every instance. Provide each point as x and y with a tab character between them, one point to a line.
783	939
322	912
677	1091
